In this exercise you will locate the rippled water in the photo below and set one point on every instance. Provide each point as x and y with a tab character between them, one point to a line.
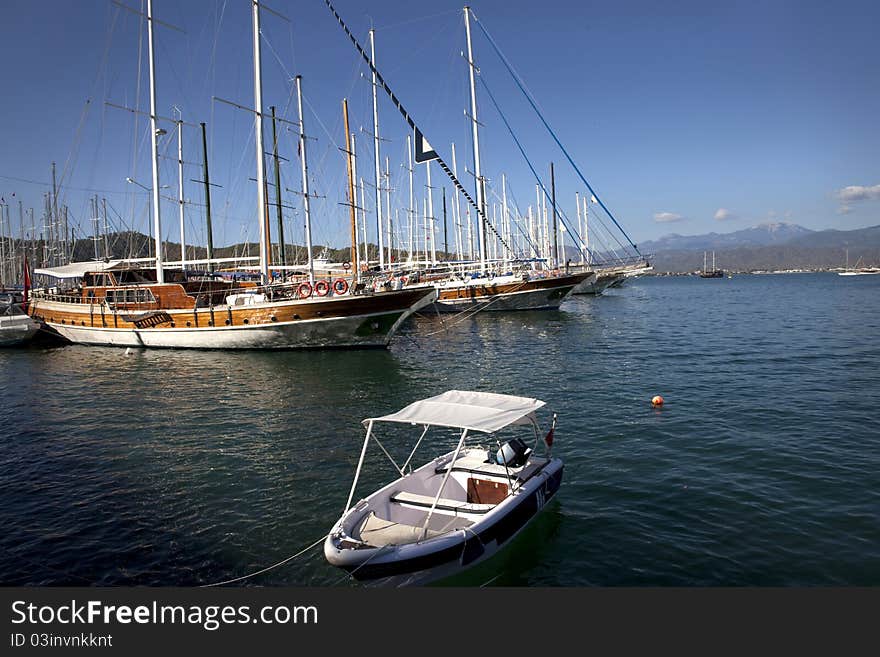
186	468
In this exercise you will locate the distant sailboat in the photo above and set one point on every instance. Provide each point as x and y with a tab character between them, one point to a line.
857	271
711	273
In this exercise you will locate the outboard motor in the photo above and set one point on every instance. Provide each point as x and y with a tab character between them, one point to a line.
513	453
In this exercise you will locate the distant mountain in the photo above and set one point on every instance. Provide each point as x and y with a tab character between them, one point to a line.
763	235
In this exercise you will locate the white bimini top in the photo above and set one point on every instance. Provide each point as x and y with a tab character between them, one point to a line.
487	412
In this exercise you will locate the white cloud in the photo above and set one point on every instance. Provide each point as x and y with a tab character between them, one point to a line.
844	209
858	193
667	217
723	214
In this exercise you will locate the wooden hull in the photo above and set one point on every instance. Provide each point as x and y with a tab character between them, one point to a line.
344	321
538	294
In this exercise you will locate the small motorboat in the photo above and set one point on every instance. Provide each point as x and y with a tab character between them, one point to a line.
16	326
458	509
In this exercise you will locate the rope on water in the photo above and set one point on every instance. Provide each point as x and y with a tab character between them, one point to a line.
259	572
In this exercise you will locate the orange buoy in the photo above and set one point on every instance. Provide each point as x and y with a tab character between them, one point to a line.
657	400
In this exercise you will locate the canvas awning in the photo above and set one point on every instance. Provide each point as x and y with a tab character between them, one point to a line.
79	269
476	411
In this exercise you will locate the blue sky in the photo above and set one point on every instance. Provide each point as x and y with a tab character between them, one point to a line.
685	117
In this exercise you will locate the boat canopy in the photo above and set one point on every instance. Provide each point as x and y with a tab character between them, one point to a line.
476	411
80	269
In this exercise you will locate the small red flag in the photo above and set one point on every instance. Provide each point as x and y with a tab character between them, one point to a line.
548	439
27	280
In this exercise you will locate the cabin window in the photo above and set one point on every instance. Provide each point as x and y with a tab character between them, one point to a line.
130	295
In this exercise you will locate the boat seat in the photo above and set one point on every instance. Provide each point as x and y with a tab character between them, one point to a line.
443	504
378	532
477	466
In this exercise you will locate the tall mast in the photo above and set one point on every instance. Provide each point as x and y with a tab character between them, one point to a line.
281	248
412	210
352	151
207	181
589	254
577	204
305	177
261	165
554	248
376	150
456	209
180	200
445	230
481	200
505	219
429	224
95	229
351	190
388	210
154	133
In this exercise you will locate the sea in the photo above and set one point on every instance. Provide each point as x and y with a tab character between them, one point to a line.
187	468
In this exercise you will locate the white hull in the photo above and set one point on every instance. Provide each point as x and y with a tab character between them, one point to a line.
346	331
476	534
526	300
585	285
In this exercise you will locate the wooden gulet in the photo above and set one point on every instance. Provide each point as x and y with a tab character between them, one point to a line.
119	304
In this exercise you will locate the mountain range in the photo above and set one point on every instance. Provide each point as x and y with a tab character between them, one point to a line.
773	246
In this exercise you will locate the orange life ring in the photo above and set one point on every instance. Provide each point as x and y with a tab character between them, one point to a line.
304	290
340	286
322	288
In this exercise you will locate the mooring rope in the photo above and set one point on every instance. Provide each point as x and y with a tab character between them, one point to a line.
260	572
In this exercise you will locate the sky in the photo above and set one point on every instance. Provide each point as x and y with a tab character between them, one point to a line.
684	117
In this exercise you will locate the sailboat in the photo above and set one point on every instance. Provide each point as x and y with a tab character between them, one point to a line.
857	271
478	286
711	273
121	303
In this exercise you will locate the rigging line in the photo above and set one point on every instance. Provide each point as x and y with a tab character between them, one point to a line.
526	157
412	124
268	568
416	20
531	100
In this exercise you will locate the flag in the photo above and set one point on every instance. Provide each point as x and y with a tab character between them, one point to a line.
424	151
27	281
548	439
593	199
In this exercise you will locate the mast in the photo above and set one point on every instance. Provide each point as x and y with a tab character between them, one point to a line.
207	181
305	177
505	219
429	224
554	247
180	201
351	190
376	151
352	147
456	211
281	248
481	200
388	210
589	254
261	165
445	233
412	210
154	133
